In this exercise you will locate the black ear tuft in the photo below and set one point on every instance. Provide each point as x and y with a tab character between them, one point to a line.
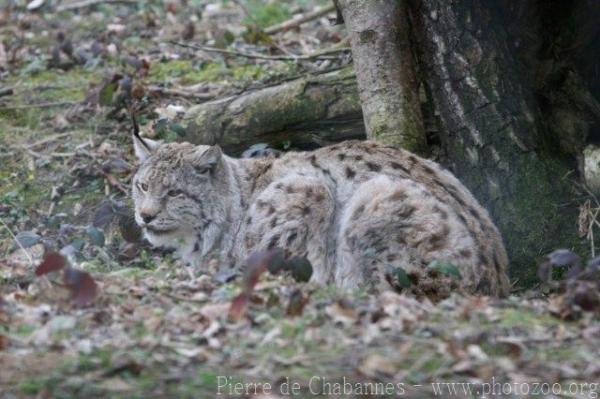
143	147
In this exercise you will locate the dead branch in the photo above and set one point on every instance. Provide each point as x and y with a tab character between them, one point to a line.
305	111
47	140
89	3
182	93
321	54
40	105
299	20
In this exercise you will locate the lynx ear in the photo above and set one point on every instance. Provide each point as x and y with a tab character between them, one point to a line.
144	147
205	160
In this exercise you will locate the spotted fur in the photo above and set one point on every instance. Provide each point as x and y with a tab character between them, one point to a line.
353	209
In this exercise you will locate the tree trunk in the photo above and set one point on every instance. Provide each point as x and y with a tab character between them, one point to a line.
491	127
307	112
383	62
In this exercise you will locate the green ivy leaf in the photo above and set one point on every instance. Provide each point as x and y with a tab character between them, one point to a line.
402	277
277	261
446	268
96	236
301	268
177	128
77	244
28	238
161	127
105	96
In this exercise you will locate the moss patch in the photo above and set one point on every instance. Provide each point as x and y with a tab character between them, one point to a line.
185	72
267	13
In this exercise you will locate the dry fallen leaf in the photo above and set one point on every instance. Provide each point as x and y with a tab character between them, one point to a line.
256	264
376	365
52	262
296	303
214	311
238	307
340	313
82	286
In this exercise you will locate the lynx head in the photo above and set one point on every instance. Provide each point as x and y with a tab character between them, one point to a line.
178	192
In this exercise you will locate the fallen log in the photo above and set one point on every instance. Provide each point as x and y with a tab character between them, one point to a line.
307	113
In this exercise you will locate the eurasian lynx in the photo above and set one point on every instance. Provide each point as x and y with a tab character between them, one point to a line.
353	209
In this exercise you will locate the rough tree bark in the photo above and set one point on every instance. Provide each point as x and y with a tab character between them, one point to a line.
309	112
491	127
383	62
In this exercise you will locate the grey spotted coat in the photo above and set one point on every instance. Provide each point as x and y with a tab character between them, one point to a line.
354	209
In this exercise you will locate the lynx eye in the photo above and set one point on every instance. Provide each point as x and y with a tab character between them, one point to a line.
143	186
174	193
203	170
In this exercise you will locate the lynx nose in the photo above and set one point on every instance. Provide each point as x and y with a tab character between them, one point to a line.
147	217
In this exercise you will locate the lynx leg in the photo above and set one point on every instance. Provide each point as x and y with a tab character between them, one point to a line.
395	222
295	214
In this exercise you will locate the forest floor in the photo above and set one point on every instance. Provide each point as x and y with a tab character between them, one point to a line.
66	69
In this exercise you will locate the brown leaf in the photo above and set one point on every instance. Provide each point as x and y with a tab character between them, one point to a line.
113	181
257	264
139	91
188	31
82	286
239	307
129	366
128	251
585	296
104	214
212	311
376	365
341	313
52	262
512	346
130	231
296	303
171	6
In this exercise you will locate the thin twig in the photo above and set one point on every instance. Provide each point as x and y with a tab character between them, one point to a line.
36	154
321	54
112	181
299	20
40	105
184	299
590	233
590	236
48	140
89	3
530	340
18	242
62	154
